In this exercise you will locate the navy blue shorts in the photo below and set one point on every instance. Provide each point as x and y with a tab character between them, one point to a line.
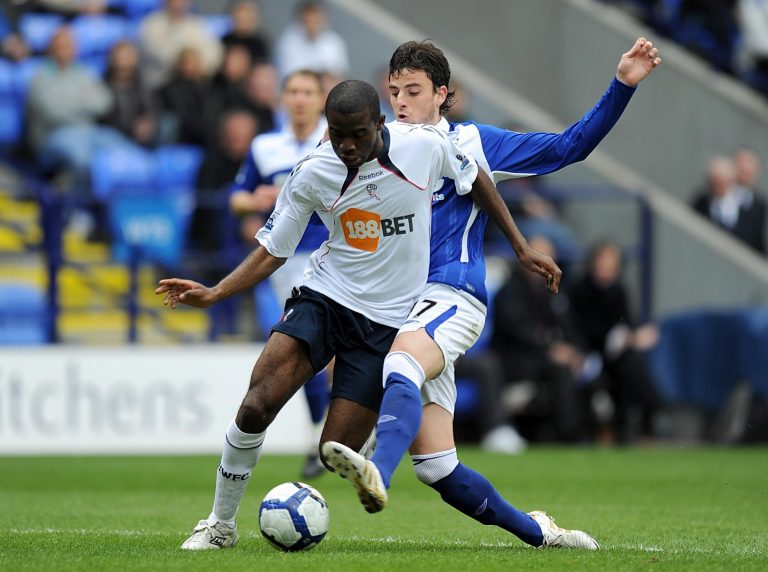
329	329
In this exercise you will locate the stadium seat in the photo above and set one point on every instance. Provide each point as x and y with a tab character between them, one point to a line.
268	309
124	169
136	8
96	34
25	72
11	121
22	314
151	226
218	25
8	81
37	29
177	167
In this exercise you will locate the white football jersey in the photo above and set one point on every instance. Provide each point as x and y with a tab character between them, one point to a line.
376	258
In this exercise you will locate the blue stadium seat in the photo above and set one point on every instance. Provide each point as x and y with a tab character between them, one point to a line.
177	167
37	29
122	170
96	34
8	80
267	307
218	25
11	121
136	8
22	314
25	72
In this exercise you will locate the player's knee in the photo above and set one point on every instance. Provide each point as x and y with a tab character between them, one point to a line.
435	466
404	364
255	414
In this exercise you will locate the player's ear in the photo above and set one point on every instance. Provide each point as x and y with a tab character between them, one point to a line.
380	122
441	93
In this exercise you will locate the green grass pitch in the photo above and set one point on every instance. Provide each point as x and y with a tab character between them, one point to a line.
651	509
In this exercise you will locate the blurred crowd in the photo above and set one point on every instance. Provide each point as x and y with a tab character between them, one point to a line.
731	35
136	76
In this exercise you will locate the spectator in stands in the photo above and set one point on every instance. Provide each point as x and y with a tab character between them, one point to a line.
602	313
70	7
308	43
164	34
246	20
228	88
724	203
709	28
132	111
64	103
752	214
222	161
263	93
753	19
537	341
12	45
183	100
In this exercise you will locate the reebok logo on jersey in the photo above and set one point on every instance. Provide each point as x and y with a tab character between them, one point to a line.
386	419
370	176
362	229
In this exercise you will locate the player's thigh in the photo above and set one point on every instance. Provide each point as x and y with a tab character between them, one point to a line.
282	368
348	423
435	433
452	319
423	349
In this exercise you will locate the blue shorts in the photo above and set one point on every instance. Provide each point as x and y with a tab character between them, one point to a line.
329	329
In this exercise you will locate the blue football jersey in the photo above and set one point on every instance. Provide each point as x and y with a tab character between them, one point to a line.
458	224
269	162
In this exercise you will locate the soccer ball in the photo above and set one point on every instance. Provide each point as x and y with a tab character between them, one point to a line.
294	516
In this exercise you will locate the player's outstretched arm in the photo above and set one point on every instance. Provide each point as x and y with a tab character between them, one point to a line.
638	63
256	267
486	196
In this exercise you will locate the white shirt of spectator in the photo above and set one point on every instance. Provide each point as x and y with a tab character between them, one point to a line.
376	258
327	53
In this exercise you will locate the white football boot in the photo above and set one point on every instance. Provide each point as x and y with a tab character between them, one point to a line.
361	472
211	536
556	537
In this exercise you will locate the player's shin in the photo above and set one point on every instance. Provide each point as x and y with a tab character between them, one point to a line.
400	413
474	495
240	455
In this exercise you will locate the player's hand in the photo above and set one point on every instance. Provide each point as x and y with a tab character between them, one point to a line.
637	64
543	265
179	291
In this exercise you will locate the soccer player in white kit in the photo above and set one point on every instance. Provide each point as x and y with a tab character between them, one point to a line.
372	186
420	393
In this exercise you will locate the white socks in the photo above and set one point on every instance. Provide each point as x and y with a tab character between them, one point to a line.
435	466
240	455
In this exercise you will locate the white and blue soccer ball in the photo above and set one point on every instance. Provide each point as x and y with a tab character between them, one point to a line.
294	516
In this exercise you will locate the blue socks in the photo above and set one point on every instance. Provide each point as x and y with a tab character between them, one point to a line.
471	493
399	420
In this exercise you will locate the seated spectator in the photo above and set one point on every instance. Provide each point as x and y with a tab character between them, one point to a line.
602	313
753	208
309	43
723	203
536	340
246	20
753	19
220	166
262	90
70	7
182	101
164	34
228	88
64	103
132	111
12	45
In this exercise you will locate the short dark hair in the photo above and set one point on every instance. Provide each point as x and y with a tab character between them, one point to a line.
354	96
305	72
430	59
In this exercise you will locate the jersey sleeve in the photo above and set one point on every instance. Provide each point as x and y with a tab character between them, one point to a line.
455	164
286	225
540	153
248	177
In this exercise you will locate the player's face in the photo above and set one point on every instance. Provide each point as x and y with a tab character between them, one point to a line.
355	137
303	99
414	99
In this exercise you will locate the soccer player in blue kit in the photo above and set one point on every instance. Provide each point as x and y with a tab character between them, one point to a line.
419	390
